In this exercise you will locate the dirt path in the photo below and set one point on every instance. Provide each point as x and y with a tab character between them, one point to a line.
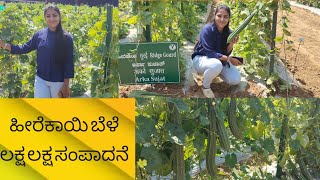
304	24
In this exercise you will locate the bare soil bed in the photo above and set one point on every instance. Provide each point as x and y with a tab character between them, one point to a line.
305	63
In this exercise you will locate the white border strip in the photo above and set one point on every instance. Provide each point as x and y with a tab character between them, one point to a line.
312	9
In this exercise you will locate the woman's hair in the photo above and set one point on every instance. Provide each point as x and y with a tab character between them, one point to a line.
60	38
226	29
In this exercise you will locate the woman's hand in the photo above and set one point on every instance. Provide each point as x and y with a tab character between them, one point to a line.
5	46
235	61
230	46
234	40
65	91
2	44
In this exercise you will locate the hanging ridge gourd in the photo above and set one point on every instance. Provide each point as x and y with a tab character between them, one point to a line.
223	135
303	168
234	128
212	141
241	27
178	160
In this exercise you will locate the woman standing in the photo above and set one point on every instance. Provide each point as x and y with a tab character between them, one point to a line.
211	56
55	64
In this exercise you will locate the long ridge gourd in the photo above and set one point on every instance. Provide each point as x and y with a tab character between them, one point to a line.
241	27
293	171
223	136
212	141
178	162
303	168
234	128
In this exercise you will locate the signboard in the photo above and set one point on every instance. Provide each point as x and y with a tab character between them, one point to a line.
149	63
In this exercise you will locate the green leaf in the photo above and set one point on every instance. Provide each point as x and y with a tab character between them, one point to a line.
285	4
145	17
265	117
220	114
204	121
304	139
153	157
270	105
231	160
256	148
179	103
286	32
166	166
278	39
175	133
195	114
269	81
198	141
145	129
244	168
268	144
255	106
142	101
132	20
294	144
92	32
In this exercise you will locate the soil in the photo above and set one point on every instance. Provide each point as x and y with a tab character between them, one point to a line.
303	61
221	91
304	24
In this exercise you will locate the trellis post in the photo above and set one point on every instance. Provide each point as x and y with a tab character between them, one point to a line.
108	44
273	36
